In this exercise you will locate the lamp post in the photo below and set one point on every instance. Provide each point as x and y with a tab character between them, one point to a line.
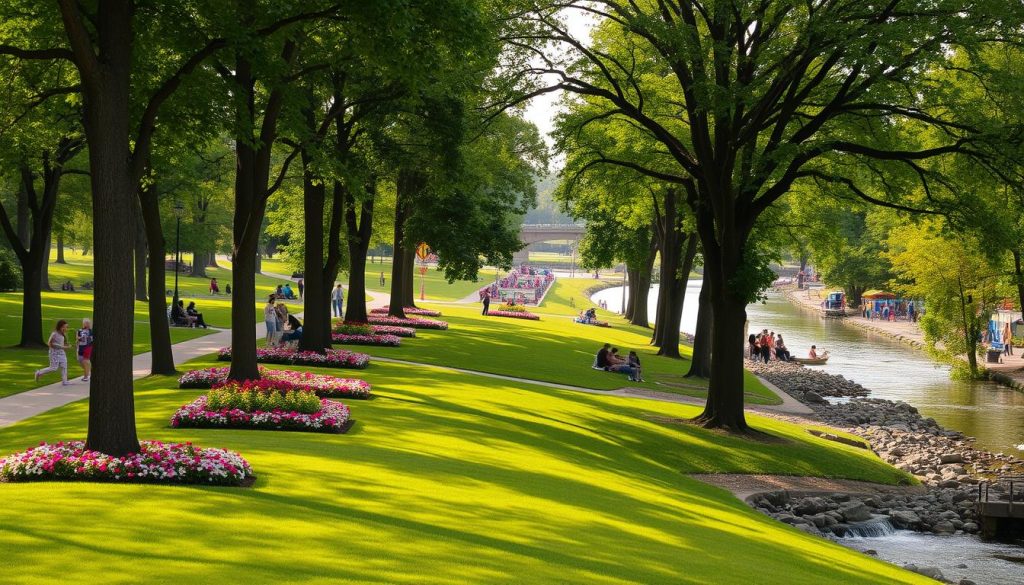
179	210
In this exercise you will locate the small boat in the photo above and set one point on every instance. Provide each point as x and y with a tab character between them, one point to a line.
818	361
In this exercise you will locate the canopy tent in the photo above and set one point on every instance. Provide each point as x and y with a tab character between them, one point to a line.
877	295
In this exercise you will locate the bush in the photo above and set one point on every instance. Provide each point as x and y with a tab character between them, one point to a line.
354	329
232	397
10	271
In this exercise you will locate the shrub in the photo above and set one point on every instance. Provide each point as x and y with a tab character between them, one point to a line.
235	396
353	328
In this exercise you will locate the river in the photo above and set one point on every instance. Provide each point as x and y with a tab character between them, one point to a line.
992	413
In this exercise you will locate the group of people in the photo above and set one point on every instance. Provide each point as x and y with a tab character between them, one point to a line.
182	316
215	287
766	344
67	286
285	291
609	360
891	310
278	320
57	344
588	317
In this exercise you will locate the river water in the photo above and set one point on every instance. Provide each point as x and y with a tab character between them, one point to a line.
992	413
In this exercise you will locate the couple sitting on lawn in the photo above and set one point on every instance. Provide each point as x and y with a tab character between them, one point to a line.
608	359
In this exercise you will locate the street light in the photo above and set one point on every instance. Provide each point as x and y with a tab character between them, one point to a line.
179	211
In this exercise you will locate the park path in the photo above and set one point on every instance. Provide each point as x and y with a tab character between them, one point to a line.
21	406
744	486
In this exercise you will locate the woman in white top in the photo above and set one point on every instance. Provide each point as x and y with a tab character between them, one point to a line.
58	359
270	317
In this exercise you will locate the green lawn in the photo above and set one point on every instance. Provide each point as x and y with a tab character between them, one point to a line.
444	479
554	349
17	365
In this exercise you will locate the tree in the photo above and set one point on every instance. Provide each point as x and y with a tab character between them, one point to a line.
767	95
959	284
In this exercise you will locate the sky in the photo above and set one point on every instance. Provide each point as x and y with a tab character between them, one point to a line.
542	109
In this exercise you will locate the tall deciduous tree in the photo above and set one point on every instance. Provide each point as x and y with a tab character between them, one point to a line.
768	93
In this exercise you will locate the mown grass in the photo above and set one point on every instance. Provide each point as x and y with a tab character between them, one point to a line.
554	349
17	365
445	478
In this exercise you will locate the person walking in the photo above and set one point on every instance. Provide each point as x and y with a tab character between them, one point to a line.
58	359
270	318
337	301
85	340
382	279
1007	339
487	302
302	287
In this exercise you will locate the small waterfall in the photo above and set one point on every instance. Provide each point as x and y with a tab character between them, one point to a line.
874	528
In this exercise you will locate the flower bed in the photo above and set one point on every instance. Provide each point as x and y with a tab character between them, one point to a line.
414	323
514	315
282	380
156	462
512	308
372	339
396	331
352	328
407	310
334	358
332	417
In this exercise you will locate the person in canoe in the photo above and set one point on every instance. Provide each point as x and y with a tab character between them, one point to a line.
813	354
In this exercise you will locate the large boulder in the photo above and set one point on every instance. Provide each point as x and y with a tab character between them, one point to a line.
855	511
906	519
811	506
944	527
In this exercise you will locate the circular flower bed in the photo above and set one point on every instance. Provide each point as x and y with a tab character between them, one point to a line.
333	417
407	310
372	339
334	358
414	323
514	315
156	462
282	380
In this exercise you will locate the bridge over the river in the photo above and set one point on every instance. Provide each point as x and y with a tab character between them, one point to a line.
532	233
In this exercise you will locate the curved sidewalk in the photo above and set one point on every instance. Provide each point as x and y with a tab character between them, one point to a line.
29	403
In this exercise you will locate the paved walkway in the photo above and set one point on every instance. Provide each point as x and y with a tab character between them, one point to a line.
27	404
743	486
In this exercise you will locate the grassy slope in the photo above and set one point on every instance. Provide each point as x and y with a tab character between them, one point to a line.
445	478
17	365
554	349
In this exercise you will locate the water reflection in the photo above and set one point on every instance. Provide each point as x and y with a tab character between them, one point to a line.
992	413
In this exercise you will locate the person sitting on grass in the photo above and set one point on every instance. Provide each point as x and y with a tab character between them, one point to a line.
179	318
617	364
58	359
294	331
192	312
214	287
287	292
279	292
601	360
634	360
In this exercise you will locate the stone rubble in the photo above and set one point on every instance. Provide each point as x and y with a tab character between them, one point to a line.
944	461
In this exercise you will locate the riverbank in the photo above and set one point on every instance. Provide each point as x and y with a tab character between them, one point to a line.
1009	373
944	461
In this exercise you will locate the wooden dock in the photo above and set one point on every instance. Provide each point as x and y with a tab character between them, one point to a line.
1001	512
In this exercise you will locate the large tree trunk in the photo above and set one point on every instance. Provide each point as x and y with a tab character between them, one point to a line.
409	284
670	335
24	221
640	315
141	257
700	366
105	93
409	184
316	333
159	328
31	307
199	263
358	245
44	261
723	261
60	248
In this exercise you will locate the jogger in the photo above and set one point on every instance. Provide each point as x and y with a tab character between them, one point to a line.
58	359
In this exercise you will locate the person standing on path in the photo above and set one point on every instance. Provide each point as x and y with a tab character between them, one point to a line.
58	359
382	279
1007	339
270	318
302	287
337	301
487	302
85	340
